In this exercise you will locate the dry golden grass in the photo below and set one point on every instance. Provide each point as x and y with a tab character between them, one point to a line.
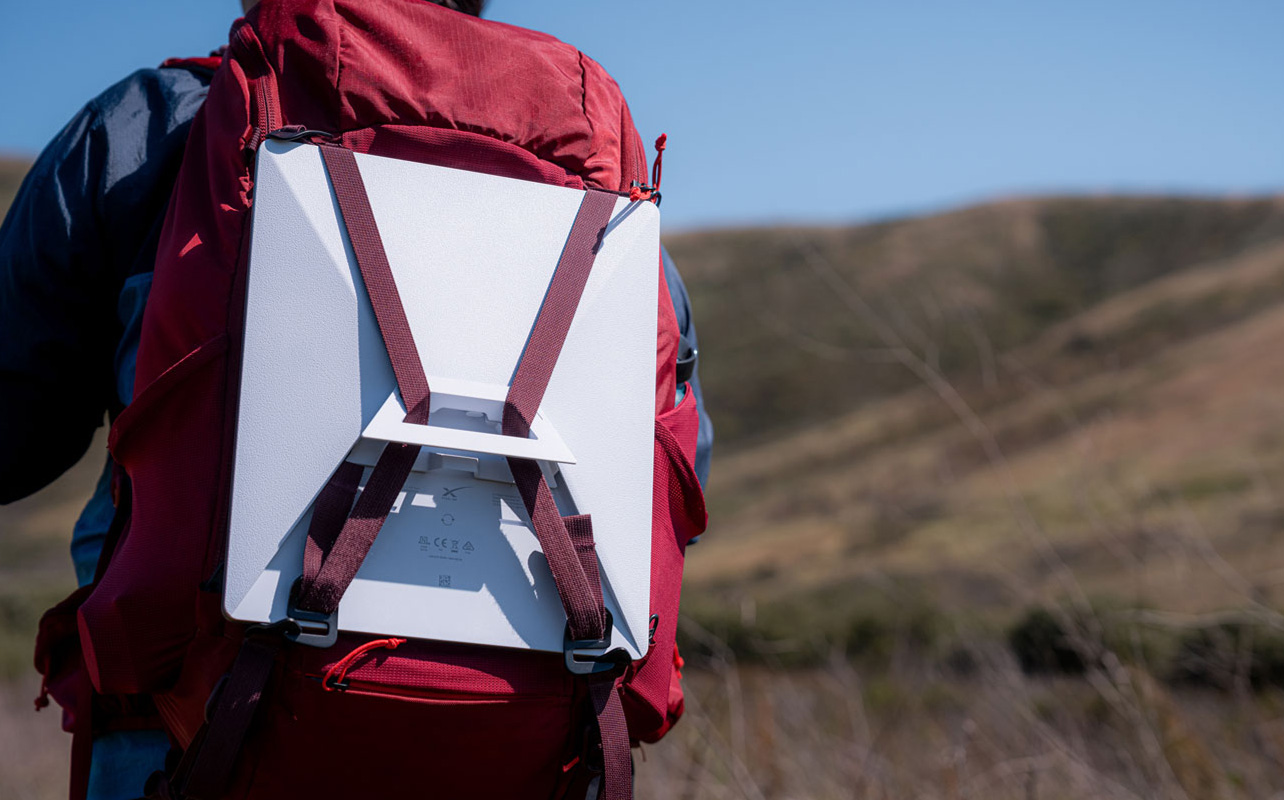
837	732
34	751
12	171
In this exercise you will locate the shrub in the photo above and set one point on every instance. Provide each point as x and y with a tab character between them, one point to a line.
1041	645
1221	655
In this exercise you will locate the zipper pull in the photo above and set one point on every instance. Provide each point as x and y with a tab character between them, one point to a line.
43	700
334	677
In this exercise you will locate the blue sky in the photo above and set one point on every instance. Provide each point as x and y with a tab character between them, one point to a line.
826	111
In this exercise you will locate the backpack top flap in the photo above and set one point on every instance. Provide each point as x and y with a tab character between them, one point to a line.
342	66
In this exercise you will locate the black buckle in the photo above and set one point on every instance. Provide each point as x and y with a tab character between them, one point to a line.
294	133
654	195
311	628
594	664
686	364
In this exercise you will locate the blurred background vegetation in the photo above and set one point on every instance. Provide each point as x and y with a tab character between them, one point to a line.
996	511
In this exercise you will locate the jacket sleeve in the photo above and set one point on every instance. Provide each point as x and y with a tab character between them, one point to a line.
688	353
85	221
55	330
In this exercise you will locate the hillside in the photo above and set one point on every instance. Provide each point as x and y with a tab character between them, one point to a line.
1011	403
783	347
11	172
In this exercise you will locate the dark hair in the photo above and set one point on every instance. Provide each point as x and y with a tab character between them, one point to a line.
473	7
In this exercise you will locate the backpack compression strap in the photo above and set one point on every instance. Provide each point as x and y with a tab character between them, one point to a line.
332	557
523	401
579	585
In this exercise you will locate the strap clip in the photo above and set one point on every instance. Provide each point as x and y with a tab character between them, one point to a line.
593	664
310	628
296	133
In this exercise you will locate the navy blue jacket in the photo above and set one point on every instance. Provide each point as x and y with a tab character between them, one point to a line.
76	254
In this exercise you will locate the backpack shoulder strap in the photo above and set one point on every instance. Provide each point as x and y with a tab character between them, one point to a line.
204	64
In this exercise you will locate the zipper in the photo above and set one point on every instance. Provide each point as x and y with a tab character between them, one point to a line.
639	166
369	687
337	678
268	122
245	42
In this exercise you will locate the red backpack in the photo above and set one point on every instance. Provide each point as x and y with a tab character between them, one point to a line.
254	715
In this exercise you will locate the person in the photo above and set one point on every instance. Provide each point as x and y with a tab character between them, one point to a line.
76	253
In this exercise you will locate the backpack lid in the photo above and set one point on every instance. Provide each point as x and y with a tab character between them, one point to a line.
472	256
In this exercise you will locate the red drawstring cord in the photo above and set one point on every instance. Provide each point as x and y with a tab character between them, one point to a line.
43	700
339	671
638	191
659	157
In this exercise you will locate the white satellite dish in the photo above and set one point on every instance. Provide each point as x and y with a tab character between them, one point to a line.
472	256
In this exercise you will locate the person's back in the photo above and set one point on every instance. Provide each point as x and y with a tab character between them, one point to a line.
64	287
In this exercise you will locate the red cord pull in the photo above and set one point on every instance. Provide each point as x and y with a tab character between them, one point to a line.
43	700
660	144
339	671
639	192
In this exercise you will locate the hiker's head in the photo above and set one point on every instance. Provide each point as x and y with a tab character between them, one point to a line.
473	7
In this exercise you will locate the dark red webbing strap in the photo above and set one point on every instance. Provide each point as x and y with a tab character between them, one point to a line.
329	512
224	735
617	764
581	597
367	246
580	589
612	726
580	528
558	311
82	738
338	544
324	591
581	600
